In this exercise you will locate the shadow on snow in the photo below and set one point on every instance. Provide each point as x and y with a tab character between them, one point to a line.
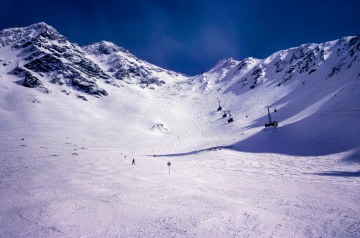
339	174
192	152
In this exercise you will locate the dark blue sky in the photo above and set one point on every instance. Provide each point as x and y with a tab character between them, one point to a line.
188	36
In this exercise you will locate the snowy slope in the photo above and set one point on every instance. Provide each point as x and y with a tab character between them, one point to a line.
65	163
313	86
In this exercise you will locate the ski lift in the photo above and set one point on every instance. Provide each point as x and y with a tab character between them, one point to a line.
230	118
219	108
271	123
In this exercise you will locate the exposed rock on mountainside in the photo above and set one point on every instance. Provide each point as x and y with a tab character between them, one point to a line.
30	81
46	54
40	55
123	66
320	61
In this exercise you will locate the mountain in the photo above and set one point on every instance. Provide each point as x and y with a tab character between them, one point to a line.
307	61
73	118
39	54
311	86
302	83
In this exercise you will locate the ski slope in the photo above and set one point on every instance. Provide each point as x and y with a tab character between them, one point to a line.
66	166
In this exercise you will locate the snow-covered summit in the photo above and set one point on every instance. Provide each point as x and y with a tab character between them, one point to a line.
103	48
23	34
226	63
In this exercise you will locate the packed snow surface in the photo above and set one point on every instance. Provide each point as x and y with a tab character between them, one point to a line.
66	163
66	170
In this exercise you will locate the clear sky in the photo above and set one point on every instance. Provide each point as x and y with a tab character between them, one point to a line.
188	36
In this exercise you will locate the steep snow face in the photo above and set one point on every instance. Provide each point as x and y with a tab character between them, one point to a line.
125	67
226	72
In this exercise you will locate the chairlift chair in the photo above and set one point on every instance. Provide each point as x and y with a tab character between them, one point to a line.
230	118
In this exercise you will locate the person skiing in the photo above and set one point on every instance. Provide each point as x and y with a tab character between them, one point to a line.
133	162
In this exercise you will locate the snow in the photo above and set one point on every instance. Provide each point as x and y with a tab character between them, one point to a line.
69	176
65	163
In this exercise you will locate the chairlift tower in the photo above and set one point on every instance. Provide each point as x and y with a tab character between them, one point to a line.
219	108
269	115
230	118
271	122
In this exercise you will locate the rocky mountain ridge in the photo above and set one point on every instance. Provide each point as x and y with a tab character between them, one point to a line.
330	58
39	54
121	65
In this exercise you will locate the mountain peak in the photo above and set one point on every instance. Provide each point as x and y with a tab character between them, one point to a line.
40	25
104	48
225	63
46	31
227	60
19	34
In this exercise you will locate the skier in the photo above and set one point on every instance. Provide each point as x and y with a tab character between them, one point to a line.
133	162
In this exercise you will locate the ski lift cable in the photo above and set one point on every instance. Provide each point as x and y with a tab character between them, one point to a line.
342	109
350	112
